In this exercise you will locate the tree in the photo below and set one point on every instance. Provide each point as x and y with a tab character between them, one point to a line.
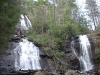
9	14
93	12
51	22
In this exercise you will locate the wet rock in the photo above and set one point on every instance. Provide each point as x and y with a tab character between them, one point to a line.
68	51
76	38
77	48
7	63
72	60
70	57
15	39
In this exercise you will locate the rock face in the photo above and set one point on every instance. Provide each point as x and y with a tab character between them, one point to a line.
70	58
95	48
7	62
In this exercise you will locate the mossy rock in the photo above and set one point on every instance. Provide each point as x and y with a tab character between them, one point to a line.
40	73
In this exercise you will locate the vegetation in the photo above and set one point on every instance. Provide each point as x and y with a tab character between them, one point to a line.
52	22
9	13
98	53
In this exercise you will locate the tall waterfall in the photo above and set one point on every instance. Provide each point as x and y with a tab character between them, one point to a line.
27	56
84	54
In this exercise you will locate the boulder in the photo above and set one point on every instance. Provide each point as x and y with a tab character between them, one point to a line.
41	72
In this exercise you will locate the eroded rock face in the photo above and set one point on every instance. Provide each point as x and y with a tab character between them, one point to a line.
71	58
7	62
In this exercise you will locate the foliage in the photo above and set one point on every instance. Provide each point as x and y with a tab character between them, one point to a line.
98	51
57	53
9	13
52	22
98	29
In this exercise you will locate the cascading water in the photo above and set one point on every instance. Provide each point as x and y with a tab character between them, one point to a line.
27	56
24	23
23	54
84	54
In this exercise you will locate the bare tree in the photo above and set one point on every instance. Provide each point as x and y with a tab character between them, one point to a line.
93	12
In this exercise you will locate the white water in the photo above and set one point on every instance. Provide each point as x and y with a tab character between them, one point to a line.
27	56
85	54
85	57
24	23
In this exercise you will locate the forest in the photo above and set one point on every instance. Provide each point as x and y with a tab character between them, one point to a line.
54	22
51	22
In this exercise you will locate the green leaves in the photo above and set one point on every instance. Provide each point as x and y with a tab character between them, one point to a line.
57	53
9	15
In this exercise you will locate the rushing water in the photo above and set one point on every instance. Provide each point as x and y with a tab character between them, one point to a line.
27	56
24	23
24	55
84	54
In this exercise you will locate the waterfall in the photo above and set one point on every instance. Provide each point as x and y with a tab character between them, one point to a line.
27	56
84	54
23	26
24	23
23	56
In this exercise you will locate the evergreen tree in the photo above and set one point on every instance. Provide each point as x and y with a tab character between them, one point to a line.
9	14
